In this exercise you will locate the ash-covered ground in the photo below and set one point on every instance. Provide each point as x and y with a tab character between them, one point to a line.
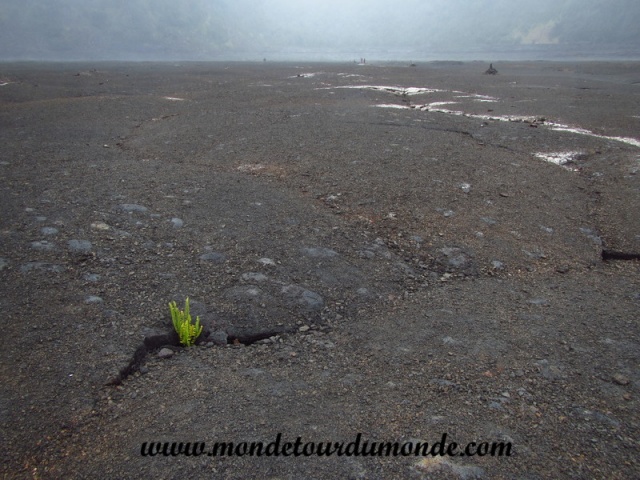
389	250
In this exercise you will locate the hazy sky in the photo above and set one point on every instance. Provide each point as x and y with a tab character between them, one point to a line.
155	29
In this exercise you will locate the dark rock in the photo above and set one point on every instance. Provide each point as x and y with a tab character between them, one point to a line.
154	339
79	246
49	231
43	245
47	267
219	337
309	300
132	207
319	252
165	353
214	257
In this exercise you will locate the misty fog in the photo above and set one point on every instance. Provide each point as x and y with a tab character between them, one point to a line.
316	29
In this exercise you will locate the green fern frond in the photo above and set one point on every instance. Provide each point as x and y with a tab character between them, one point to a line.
187	332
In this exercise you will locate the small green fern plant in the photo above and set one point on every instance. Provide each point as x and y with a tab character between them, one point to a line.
187	332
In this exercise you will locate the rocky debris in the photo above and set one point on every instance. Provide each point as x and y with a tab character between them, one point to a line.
79	246
443	465
100	226
254	277
213	257
621	379
4	263
307	299
219	338
132	207
497	265
49	231
165	353
267	262
455	260
246	293
43	266
177	222
550	371
154	338
43	245
319	252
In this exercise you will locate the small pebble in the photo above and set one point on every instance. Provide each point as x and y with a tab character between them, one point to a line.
100	226
79	246
132	207
165	353
214	257
621	379
43	245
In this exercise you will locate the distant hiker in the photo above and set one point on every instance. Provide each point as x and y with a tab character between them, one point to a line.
491	70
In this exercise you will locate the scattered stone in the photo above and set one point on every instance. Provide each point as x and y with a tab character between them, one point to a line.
488	220
466	187
319	252
43	245
254	277
132	207
620	379
244	292
79	246
267	262
455	258
219	337
100	226
150	245
165	353
40	218
536	255
91	277
306	298
46	267
177	223
497	265
93	299
442	465
538	301
563	269
49	231
548	371
3	263
592	235
154	338
214	257
303	328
